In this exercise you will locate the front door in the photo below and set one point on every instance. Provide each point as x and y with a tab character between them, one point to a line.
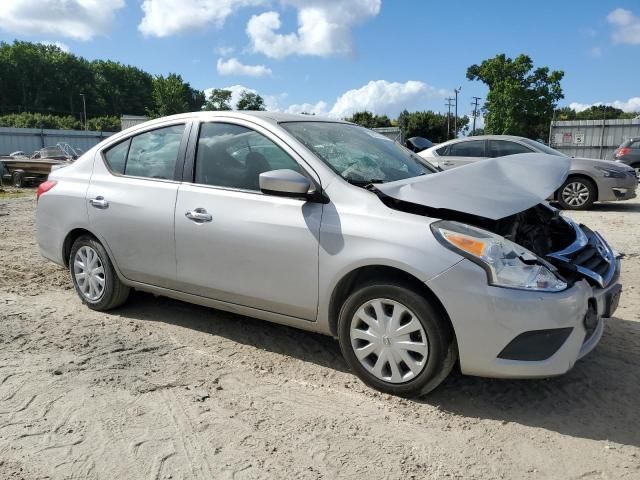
234	243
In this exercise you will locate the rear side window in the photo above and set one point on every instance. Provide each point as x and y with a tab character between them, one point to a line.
117	156
472	148
151	154
442	151
502	148
636	145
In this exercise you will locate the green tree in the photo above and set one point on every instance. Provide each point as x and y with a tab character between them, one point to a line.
104	124
250	101
430	125
170	95
521	100
369	120
219	100
599	112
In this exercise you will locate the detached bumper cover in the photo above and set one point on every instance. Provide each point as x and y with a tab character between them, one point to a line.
487	319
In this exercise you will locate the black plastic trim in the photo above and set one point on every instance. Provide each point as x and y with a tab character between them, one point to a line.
535	345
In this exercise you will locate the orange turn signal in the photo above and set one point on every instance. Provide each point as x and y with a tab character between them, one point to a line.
468	244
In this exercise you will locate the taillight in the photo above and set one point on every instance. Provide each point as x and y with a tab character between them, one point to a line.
622	152
44	187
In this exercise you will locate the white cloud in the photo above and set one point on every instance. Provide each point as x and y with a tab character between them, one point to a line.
631	105
224	51
319	108
626	26
79	19
62	46
324	28
378	96
595	52
234	67
383	97
163	18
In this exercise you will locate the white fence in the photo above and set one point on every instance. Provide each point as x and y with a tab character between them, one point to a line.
30	139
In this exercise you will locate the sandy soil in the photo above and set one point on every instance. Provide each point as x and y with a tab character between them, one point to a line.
163	389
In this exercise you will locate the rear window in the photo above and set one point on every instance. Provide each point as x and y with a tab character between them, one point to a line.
636	145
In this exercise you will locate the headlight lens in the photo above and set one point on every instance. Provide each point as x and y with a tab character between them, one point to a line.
612	172
507	264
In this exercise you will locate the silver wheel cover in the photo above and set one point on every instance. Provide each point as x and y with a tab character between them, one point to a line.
88	273
389	340
575	194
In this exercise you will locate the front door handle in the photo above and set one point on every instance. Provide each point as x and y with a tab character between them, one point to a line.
99	202
448	162
198	215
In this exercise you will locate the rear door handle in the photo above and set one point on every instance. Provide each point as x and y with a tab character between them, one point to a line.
448	162
99	202
198	215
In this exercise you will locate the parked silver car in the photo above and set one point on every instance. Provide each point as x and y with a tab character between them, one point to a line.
589	180
330	227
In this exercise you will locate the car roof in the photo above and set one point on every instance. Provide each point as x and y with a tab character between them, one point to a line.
272	117
486	137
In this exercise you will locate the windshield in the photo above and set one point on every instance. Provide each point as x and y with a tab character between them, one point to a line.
541	147
359	155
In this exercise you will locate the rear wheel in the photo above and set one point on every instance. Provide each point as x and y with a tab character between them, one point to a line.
17	179
577	194
395	340
94	277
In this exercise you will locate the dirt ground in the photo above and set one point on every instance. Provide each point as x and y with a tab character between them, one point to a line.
166	390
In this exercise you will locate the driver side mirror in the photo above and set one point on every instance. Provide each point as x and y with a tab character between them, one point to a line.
285	183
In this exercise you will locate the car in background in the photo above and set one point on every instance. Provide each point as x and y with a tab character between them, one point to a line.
589	180
629	154
418	144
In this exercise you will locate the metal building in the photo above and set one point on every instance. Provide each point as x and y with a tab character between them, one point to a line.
30	139
592	138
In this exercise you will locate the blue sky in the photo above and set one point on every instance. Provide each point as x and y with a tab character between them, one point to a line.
334	57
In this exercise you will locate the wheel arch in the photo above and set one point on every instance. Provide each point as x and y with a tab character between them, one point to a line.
365	274
583	176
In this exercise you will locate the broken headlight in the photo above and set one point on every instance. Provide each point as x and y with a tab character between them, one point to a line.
507	264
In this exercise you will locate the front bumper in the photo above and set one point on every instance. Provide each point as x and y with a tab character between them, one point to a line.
612	189
487	318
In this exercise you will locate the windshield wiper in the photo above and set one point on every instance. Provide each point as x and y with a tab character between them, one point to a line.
363	183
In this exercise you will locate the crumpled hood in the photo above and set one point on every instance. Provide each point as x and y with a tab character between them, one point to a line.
494	188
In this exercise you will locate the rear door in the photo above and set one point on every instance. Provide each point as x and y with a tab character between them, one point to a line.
462	153
243	246
131	201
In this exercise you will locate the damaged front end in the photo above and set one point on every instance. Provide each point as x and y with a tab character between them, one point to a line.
506	196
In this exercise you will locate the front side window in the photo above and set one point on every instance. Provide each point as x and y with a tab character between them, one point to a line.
150	154
234	156
502	148
359	155
472	148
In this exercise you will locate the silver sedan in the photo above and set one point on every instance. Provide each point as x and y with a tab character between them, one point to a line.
330	227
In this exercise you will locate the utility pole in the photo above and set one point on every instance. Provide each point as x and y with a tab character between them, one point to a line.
474	104
84	109
455	119
448	103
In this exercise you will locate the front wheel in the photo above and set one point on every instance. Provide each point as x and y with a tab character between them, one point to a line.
94	277
577	194
395	340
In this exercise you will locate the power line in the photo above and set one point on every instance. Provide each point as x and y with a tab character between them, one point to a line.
474	104
448	104
455	119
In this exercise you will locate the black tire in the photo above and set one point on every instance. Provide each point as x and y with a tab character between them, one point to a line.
17	179
442	354
581	182
115	293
